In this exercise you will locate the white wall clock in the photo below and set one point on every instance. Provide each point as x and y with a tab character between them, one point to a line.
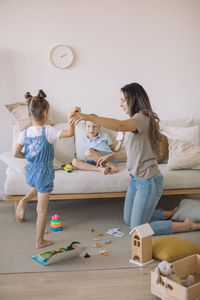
61	56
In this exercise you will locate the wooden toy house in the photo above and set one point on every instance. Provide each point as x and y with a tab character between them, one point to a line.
141	244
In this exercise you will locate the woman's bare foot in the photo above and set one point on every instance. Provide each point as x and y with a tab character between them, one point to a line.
20	211
43	243
167	214
192	226
187	226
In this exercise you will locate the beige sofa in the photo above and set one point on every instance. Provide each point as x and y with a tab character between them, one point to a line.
86	184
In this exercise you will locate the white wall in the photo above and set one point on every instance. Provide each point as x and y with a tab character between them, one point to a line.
153	42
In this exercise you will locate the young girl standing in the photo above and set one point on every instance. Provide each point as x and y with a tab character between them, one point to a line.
37	141
142	141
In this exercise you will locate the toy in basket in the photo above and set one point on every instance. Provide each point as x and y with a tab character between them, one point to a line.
179	280
166	269
56	224
59	254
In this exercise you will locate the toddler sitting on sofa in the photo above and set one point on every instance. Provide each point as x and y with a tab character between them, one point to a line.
95	145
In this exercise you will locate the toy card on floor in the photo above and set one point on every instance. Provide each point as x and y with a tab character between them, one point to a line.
59	254
115	232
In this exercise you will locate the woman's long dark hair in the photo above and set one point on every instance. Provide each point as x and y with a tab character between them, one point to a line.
37	104
138	101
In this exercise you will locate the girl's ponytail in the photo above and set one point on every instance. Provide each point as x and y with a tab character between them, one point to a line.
28	96
41	94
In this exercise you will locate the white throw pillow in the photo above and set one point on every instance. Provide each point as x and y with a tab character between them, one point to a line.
18	164
19	113
79	137
183	155
189	134
183	122
188	208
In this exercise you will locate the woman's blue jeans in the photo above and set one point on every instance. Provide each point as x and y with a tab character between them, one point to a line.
141	199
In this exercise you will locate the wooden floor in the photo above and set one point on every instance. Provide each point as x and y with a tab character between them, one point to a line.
117	284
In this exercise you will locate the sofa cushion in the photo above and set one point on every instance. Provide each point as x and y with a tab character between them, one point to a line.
189	134
18	164
188	208
181	122
90	182
76	182
64	149
183	155
179	179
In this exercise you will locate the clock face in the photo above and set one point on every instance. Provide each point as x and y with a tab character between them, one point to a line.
61	56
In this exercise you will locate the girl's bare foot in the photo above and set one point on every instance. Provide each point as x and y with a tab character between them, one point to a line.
43	243
20	211
167	214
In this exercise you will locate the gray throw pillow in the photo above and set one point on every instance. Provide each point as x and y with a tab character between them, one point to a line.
188	208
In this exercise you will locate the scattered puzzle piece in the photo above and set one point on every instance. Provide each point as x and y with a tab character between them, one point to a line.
108	242
86	255
104	253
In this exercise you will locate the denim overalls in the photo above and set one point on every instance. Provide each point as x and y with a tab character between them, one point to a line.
40	154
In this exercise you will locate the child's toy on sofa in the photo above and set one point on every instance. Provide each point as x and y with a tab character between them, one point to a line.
56	224
59	254
68	168
166	269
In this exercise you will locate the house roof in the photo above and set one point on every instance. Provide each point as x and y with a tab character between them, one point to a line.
143	230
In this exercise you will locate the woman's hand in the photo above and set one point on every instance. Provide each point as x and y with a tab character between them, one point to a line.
103	160
76	109
76	118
